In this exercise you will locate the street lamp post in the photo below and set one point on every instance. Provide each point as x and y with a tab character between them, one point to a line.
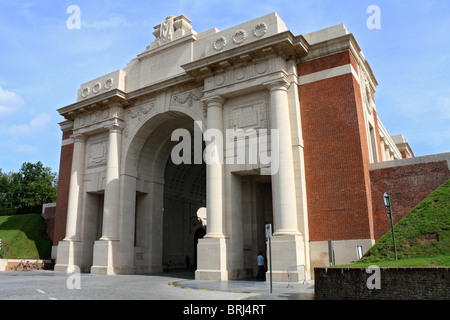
388	204
269	238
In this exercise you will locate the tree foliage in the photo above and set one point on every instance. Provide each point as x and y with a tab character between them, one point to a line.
33	185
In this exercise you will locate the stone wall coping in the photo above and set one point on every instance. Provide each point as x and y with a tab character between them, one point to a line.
411	161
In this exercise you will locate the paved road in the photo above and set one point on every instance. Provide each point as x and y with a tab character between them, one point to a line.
50	285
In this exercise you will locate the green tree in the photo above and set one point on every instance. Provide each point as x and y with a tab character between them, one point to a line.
34	184
5	190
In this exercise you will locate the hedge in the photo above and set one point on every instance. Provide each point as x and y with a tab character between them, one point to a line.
22	210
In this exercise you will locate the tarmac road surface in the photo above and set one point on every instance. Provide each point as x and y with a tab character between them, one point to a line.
50	285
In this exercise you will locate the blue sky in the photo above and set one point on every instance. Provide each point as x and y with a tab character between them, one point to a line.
43	63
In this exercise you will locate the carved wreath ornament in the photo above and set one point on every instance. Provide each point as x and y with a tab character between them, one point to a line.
220	43
239	37
85	92
108	83
260	30
97	87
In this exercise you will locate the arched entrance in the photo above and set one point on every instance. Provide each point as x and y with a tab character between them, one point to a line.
167	195
184	194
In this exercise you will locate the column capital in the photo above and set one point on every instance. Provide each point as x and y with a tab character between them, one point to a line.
115	128
215	100
78	137
278	84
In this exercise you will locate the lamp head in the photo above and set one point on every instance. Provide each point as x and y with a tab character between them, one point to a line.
387	200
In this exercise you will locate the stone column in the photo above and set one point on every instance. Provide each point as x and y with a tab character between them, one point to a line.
288	246
106	250
69	250
76	181
212	249
214	171
283	183
110	229
383	152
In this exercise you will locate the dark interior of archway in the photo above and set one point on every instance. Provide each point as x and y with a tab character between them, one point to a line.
184	194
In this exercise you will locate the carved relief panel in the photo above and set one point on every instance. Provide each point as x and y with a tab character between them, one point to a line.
135	115
97	151
251	112
91	117
96	118
244	72
187	99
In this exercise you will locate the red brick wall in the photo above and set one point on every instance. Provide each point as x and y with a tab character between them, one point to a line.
332	61
407	185
336	154
49	217
62	198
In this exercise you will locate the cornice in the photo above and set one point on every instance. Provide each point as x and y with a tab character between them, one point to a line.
118	96
338	45
102	100
284	44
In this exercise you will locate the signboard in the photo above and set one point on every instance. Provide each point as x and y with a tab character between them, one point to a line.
268	230
269	237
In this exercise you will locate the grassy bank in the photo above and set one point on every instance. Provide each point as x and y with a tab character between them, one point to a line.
26	236
422	236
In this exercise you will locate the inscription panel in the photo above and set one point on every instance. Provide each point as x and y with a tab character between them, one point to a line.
251	115
97	154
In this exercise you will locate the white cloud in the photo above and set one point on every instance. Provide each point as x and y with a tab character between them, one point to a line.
112	22
31	127
25	149
10	102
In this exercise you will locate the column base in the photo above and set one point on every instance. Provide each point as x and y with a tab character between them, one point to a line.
68	257
211	259
106	257
288	255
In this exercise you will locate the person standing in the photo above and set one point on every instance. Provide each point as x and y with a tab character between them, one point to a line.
261	266
188	262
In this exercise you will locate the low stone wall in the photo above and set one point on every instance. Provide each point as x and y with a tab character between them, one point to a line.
375	283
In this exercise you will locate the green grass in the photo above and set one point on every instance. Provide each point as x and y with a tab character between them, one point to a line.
422	236
432	261
26	236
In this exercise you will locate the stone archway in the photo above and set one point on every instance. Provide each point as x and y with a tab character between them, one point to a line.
184	194
165	196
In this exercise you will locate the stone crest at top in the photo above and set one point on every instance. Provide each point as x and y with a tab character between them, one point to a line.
164	32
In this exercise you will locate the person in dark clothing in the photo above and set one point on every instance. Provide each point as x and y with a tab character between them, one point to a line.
261	266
